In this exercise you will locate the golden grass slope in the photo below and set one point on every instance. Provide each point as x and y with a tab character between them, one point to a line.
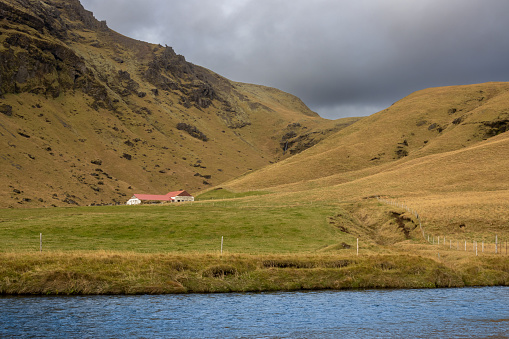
413	136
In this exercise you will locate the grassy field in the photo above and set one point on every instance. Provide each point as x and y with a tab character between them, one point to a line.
270	243
188	227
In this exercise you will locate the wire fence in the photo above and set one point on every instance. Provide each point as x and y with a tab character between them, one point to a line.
442	241
496	246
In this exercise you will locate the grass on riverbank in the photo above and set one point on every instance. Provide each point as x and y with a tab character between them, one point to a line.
134	273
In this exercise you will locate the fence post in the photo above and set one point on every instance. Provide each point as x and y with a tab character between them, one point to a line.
40	242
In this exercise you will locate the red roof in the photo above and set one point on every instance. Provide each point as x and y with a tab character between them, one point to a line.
167	197
179	194
153	197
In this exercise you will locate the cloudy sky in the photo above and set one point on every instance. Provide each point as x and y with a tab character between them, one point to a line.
341	57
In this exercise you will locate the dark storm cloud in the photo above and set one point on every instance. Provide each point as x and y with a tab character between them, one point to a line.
343	58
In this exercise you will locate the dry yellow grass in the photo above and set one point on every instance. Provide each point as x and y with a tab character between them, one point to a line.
124	273
426	123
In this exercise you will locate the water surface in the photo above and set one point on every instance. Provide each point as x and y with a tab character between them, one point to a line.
420	313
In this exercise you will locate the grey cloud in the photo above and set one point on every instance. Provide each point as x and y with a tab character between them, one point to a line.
342	58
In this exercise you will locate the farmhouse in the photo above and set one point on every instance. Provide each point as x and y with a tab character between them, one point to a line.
177	196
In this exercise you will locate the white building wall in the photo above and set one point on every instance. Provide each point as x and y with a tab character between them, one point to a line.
182	198
133	201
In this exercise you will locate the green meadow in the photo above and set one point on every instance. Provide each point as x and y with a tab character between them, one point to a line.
188	227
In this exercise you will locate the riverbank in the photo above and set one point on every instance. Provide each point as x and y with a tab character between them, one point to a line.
94	273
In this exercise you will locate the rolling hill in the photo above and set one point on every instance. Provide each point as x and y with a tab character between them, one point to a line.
423	131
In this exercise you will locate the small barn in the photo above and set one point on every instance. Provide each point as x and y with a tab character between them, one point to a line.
178	196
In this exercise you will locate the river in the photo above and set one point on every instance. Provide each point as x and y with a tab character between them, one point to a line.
420	313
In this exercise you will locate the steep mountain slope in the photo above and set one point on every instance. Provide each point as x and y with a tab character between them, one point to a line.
426	123
89	116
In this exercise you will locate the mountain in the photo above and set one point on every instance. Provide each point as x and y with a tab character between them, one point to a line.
89	116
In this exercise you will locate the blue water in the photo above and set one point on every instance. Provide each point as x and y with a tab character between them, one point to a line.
421	313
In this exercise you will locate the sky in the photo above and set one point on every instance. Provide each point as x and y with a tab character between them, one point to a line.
342	58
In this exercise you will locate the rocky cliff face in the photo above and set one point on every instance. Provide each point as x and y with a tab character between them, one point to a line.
89	116
57	17
35	56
